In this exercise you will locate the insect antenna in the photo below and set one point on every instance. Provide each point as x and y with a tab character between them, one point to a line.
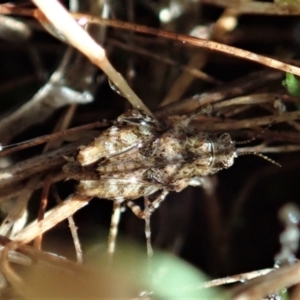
246	141
254	138
240	152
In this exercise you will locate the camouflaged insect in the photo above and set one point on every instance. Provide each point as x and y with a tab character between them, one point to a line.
139	156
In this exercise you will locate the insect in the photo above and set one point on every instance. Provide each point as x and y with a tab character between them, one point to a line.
139	156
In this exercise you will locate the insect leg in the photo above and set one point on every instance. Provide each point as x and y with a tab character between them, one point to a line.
144	214
202	110
136	209
114	224
148	228
152	206
155	204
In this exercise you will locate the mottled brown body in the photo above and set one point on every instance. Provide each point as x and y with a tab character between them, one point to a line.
138	156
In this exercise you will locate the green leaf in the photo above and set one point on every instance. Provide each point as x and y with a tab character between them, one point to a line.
292	85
